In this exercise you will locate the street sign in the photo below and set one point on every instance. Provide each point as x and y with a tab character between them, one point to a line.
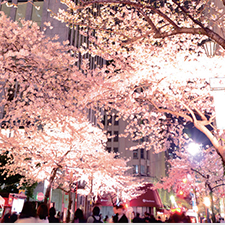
40	196
217	83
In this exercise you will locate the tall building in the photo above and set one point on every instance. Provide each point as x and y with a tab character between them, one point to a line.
144	163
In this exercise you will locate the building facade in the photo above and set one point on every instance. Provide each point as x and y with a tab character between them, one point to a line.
144	163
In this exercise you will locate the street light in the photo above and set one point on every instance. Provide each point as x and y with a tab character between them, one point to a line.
206	201
209	47
193	148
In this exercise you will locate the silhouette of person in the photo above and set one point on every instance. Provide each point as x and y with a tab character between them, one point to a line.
42	213
79	216
52	218
28	214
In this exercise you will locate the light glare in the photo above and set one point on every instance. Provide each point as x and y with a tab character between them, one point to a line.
193	148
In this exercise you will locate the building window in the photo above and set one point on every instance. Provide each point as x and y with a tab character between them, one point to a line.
147	170
135	169
37	12
21	11
103	120
109	120
108	149
116	120
115	150
135	154
142	169
116	138
109	134
142	153
5	9
147	154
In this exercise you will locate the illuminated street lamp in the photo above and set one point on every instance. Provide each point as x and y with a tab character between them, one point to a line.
217	84
206	202
193	148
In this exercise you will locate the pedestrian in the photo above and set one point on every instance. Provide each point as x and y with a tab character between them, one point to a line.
58	215
159	219
95	217
152	219
13	217
120	216
106	219
79	216
52	218
146	218
6	218
28	214
137	218
42	213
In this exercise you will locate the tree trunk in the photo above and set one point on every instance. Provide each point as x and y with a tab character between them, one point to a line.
69	207
212	207
48	190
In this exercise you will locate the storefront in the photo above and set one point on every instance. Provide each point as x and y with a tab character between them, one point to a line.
148	202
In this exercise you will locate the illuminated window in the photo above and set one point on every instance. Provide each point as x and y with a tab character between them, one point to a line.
135	169
142	169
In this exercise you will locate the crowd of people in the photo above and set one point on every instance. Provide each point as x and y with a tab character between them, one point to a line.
30	215
42	215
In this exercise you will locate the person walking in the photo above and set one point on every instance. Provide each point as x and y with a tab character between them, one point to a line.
52	218
106	219
79	216
42	213
137	218
120	216
95	217
13	217
28	214
6	218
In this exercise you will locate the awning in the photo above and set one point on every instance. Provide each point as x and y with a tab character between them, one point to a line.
104	201
20	195
148	199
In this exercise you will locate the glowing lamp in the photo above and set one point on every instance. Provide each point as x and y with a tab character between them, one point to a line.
185	180
206	201
181	192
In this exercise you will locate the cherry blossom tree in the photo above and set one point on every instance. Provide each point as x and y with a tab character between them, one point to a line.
145	81
156	62
47	153
194	174
42	88
151	21
101	173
